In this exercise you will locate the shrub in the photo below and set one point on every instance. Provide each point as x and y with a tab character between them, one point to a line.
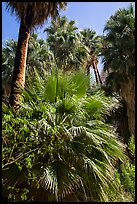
59	146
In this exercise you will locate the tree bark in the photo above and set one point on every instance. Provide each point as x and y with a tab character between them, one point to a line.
128	93
18	79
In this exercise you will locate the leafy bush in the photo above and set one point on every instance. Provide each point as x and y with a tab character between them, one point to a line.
128	170
125	178
57	146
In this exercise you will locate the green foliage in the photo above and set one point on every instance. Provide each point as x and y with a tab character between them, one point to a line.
8	55
59	143
128	170
59	147
125	178
39	12
51	88
119	47
131	146
128	177
64	41
39	56
91	41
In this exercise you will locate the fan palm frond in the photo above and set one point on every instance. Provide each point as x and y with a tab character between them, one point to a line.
60	179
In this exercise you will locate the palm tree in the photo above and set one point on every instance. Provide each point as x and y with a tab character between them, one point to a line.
39	56
119	42
30	14
119	58
92	42
68	152
64	42
8	56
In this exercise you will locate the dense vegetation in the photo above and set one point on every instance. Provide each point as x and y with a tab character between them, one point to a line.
63	142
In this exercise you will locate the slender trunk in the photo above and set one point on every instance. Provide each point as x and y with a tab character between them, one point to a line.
88	70
99	76
88	74
96	76
94	65
18	79
56	85
95	72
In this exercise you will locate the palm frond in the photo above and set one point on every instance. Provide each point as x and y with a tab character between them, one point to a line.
60	179
46	9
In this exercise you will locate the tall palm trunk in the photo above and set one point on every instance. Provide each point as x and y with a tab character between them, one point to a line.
99	76
18	79
88	70
96	76
95	71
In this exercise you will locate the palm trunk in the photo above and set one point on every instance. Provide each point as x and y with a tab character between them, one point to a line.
88	74
95	72
94	65
96	76
88	70
99	77
18	79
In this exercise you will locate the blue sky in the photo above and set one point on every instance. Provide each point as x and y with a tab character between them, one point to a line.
91	15
86	14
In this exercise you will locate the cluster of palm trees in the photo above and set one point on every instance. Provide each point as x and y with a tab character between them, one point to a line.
71	49
56	138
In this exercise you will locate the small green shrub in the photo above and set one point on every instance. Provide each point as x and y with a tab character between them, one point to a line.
125	178
128	170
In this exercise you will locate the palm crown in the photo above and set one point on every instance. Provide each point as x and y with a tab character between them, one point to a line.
64	42
120	42
39	11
